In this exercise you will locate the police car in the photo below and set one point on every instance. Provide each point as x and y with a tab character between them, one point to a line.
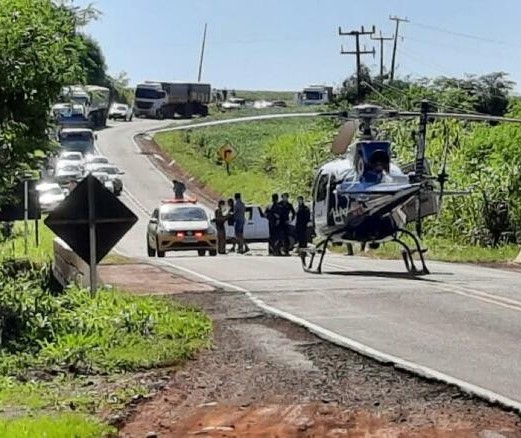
180	225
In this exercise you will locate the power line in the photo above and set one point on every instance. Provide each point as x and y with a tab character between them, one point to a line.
358	53
382	39
396	33
466	35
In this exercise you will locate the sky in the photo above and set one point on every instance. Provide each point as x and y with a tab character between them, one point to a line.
289	44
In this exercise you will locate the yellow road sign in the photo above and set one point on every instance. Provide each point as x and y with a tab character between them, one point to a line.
227	153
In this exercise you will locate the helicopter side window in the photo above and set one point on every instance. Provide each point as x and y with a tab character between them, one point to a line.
322	188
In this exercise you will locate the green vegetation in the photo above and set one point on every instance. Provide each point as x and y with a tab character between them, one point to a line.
62	351
39	52
449	251
56	426
14	248
262	164
111	332
286	96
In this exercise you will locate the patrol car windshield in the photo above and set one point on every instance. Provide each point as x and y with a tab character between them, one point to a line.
185	214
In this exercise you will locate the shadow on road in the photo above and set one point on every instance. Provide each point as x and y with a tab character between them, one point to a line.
385	274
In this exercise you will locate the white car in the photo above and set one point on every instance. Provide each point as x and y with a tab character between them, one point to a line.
104	178
256	227
96	159
66	172
179	225
50	195
234	103
261	104
120	111
71	157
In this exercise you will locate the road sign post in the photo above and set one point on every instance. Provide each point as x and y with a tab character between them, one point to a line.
26	213
92	237
91	220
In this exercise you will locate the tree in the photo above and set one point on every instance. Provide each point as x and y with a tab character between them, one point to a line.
93	62
39	51
120	85
349	93
83	15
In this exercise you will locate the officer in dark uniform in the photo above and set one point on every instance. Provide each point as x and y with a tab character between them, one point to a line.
286	210
301	225
273	214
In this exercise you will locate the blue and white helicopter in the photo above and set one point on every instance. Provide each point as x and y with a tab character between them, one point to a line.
364	198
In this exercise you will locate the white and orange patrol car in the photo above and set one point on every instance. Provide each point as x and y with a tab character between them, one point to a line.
181	225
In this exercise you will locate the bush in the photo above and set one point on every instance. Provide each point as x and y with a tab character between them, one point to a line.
112	331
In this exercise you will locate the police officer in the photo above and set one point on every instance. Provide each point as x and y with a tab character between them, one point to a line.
273	214
220	221
301	226
286	210
179	189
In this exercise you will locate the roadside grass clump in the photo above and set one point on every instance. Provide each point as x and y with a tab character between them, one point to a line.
14	248
444	250
113	331
55	426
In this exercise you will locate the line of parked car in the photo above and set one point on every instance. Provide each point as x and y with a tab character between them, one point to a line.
78	157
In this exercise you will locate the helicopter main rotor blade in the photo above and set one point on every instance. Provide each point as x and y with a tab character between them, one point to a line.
461	116
344	137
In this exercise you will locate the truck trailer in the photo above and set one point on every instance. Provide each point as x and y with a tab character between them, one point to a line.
166	99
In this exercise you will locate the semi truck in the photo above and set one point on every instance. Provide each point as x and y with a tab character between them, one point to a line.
315	95
166	99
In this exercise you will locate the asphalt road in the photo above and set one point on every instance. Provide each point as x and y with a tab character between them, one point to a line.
461	323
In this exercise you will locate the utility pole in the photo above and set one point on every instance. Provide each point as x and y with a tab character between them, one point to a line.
382	39
202	54
358	52
398	20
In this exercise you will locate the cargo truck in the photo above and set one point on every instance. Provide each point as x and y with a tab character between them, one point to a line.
94	99
166	99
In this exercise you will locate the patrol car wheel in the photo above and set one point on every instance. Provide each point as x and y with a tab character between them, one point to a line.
201	252
151	251
213	252
159	253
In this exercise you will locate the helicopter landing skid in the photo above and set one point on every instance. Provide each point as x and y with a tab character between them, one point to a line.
407	254
320	248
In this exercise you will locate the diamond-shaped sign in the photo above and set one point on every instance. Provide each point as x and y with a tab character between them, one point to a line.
70	220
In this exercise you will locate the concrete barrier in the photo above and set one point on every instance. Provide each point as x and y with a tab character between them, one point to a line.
68	267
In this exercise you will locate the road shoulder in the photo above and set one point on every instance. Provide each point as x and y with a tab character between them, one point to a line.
267	375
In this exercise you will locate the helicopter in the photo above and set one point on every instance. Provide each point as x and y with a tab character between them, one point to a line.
364	198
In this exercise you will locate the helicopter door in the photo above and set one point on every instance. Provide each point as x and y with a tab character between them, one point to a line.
320	200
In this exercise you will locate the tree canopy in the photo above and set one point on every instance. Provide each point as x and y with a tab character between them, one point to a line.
39	53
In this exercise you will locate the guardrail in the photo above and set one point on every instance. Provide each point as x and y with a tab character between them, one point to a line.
68	267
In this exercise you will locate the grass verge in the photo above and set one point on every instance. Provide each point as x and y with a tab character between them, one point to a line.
14	248
63	353
446	251
56	426
253	171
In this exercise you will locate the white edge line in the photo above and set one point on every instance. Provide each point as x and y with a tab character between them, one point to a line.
365	350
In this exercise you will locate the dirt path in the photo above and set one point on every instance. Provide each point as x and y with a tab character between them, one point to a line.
265	377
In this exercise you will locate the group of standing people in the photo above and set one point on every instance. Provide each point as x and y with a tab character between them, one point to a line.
280	214
232	212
